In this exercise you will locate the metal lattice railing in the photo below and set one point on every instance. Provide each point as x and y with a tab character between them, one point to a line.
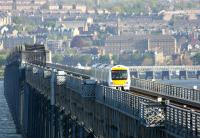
167	90
184	123
120	100
152	114
177	121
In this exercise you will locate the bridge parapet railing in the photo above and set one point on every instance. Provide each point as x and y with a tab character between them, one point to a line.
134	106
124	102
74	83
184	123
38	79
166	68
192	95
150	113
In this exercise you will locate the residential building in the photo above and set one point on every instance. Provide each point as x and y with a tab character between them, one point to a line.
53	6
125	42
162	43
12	41
55	46
5	19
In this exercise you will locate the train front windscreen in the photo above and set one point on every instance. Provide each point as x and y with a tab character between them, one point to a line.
119	74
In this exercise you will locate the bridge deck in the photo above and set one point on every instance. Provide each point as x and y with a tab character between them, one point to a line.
7	126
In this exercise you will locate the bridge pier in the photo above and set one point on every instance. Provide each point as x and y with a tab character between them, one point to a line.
183	74
135	74
166	74
198	74
149	75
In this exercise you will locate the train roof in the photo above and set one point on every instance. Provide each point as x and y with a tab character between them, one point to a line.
107	66
119	67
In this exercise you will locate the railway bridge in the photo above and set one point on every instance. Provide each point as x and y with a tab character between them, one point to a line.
165	72
45	104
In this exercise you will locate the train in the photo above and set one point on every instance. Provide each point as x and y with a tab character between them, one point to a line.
114	76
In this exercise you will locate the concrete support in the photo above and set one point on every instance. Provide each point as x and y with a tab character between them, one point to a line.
183	74
198	74
166	74
149	75
135	74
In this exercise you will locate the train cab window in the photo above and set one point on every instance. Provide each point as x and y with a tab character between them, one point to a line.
119	74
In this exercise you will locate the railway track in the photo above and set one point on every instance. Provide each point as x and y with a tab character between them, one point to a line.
182	103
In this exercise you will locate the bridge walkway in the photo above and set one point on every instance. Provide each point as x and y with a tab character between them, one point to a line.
7	126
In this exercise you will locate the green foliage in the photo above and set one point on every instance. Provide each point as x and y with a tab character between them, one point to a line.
79	41
85	59
135	6
185	5
148	59
57	58
17	20
19	28
154	3
2	60
53	36
24	21
136	58
104	59
1	72
3	55
131	59
70	52
21	23
196	59
50	24
115	59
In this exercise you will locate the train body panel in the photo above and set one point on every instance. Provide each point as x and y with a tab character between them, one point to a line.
113	76
117	76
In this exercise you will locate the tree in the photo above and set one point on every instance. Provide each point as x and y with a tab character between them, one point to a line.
148	62
79	41
196	59
2	60
148	59
136	58
115	59
70	52
104	59
85	59
3	55
57	58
